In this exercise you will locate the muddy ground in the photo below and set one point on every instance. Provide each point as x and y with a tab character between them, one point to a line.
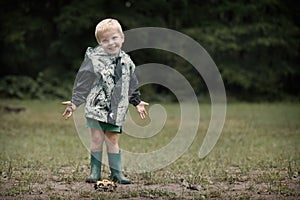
45	185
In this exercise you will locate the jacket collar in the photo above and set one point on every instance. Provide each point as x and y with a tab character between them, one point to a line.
99	51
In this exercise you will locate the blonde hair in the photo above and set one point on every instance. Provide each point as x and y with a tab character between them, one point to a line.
107	25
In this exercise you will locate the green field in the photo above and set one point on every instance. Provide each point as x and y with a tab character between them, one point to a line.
256	157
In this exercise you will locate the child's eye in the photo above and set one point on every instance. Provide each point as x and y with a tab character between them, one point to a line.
104	41
115	37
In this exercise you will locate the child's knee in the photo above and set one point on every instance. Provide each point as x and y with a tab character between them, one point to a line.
111	137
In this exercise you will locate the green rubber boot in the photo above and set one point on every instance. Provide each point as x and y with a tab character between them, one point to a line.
96	159
115	166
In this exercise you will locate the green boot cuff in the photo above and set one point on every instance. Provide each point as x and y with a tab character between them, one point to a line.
115	166
96	160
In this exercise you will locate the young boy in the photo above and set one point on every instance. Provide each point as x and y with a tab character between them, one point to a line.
106	82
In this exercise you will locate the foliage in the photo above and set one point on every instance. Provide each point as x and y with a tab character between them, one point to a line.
18	87
24	87
254	44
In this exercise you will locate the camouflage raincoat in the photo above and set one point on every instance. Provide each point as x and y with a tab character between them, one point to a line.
107	84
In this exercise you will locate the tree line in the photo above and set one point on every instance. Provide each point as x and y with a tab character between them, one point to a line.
255	44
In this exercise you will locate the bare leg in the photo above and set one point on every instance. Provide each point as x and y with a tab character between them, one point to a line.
97	140
111	141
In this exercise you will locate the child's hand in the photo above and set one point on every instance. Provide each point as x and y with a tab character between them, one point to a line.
141	109
69	109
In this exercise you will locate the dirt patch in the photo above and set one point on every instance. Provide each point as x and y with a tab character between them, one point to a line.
256	184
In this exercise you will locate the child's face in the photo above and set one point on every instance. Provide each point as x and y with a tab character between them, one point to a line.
111	42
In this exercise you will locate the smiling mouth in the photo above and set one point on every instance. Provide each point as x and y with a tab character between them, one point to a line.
112	48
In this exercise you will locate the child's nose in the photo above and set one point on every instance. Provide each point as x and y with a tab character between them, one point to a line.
110	42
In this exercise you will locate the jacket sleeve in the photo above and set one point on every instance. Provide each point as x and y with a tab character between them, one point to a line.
135	98
83	82
134	92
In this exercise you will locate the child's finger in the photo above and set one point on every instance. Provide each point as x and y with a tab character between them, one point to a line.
67	103
143	114
68	115
65	112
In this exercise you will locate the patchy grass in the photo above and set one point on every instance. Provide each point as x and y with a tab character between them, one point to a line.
256	157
